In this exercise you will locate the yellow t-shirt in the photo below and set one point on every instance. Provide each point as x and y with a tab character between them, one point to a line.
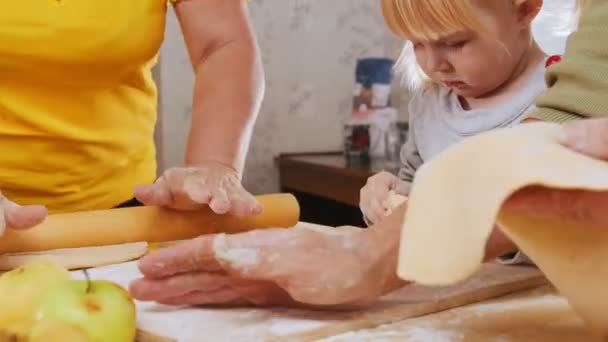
77	100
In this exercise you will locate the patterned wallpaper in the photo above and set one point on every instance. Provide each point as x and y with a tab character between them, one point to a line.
309	49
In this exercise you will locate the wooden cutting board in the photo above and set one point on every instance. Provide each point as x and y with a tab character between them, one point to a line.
538	315
159	323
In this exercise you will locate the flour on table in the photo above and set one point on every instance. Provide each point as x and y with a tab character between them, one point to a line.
282	327
548	300
324	229
432	335
418	334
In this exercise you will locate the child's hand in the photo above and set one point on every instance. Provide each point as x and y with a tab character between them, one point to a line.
189	188
374	196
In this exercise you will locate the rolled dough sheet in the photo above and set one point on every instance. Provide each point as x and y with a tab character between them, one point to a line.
456	199
76	258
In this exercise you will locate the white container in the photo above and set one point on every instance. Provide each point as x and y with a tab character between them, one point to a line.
379	121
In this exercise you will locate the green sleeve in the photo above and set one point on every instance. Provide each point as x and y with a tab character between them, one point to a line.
578	85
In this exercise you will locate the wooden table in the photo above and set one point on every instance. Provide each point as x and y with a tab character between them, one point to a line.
327	185
328	175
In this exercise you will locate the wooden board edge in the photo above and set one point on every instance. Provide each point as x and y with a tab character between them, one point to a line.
398	314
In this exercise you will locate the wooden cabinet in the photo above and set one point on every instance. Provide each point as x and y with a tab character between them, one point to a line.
327	185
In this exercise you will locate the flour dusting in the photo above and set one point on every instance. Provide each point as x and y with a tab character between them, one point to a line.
454	321
282	327
367	335
432	335
482	309
239	258
417	334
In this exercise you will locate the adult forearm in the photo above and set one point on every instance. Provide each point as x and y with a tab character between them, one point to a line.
228	91
386	236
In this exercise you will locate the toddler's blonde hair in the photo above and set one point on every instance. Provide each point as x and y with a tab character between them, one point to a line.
425	20
429	19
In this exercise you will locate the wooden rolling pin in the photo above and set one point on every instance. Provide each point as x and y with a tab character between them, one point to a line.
139	224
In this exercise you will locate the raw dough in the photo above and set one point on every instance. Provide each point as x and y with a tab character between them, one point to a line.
76	258
456	199
394	200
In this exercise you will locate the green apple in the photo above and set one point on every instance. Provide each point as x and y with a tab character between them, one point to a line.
21	288
104	311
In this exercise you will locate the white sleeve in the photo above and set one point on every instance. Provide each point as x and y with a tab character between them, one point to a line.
409	155
410	159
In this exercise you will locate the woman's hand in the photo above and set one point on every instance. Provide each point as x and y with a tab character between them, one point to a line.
228	91
374	195
15	216
303	266
588	137
189	188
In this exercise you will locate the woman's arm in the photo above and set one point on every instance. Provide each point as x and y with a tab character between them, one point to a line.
229	83
228	90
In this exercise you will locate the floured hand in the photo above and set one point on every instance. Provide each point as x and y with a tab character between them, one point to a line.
308	266
374	196
15	216
188	188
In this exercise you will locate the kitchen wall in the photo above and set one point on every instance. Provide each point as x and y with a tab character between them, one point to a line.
309	49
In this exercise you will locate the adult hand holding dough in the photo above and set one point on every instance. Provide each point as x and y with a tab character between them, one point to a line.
15	216
569	248
308	265
588	137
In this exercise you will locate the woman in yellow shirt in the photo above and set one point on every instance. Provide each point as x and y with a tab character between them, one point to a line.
78	106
